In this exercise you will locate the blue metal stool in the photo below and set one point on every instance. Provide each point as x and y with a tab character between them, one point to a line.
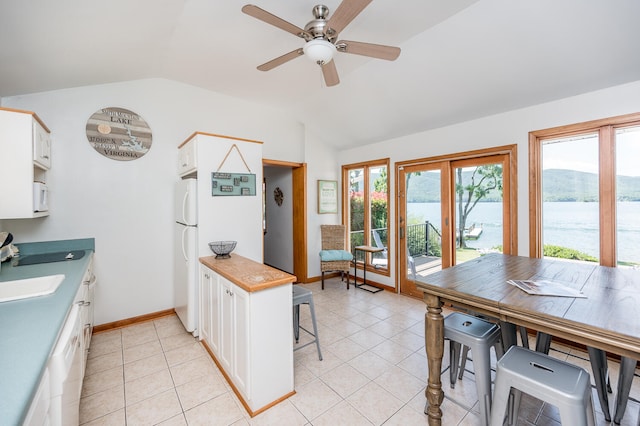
556	382
301	296
478	335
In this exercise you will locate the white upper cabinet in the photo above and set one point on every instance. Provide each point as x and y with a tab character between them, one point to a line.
187	158
41	145
25	150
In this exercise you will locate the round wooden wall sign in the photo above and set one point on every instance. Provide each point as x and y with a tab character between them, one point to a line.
119	134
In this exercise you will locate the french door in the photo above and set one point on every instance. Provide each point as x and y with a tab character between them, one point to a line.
453	209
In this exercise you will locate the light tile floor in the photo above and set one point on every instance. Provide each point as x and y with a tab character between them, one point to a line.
373	372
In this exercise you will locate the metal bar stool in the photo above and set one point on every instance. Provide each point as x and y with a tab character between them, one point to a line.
510	328
556	382
625	379
600	370
301	296
478	335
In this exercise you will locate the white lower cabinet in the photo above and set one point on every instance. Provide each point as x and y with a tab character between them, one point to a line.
252	341
227	322
38	414
209	328
234	334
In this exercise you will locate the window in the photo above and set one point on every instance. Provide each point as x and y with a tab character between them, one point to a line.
585	191
366	209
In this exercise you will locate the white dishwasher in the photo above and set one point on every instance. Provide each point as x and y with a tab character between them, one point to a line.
65	368
86	295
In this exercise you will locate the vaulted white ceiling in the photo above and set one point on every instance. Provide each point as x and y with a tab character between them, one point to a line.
460	60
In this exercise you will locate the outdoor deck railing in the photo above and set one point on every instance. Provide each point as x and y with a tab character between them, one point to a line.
420	238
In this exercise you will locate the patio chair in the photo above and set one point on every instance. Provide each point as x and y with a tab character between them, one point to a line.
412	267
378	242
380	262
333	256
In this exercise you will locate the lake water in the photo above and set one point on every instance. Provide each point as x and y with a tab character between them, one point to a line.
573	225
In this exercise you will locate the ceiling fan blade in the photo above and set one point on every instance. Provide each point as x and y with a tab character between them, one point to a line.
345	13
281	60
271	19
378	51
330	73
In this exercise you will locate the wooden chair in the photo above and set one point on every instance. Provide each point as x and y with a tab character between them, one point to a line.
333	256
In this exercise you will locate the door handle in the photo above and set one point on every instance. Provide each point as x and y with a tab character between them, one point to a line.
184	252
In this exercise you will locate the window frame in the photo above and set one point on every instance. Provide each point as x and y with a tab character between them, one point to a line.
367	165
606	129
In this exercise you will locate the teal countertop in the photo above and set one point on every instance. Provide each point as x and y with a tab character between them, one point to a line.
29	328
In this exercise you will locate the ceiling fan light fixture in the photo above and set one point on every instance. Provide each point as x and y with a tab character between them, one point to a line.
319	50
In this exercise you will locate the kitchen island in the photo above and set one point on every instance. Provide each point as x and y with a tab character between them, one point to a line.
246	325
29	328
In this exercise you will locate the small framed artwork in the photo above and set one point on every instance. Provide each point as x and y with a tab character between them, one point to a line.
327	196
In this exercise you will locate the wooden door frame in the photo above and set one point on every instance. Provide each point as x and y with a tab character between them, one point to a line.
510	189
299	203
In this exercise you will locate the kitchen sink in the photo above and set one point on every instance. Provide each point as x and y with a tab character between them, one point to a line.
29	287
60	256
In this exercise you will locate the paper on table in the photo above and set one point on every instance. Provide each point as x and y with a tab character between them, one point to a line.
546	288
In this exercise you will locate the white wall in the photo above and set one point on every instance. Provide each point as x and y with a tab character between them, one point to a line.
323	164
127	205
278	241
497	130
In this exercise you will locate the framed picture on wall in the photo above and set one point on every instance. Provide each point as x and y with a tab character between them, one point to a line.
327	196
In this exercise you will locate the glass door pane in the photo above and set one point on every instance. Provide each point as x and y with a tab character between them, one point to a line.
628	197
379	221
423	236
356	207
570	198
420	225
478	210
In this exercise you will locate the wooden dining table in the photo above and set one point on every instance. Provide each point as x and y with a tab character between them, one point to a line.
608	318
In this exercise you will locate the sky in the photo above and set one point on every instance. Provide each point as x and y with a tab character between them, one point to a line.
582	154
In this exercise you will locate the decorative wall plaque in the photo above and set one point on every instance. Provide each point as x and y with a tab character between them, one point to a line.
233	184
119	134
327	196
278	196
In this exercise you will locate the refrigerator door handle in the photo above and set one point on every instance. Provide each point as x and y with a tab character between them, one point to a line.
184	252
184	208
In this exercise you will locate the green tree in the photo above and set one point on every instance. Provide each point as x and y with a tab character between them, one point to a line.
482	181
380	184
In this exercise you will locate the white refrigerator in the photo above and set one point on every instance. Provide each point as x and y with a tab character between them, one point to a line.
186	254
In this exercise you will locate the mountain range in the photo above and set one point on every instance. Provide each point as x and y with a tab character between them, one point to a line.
558	185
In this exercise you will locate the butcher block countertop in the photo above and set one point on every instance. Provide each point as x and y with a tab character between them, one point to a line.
246	273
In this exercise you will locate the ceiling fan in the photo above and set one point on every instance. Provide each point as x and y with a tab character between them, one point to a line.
320	36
